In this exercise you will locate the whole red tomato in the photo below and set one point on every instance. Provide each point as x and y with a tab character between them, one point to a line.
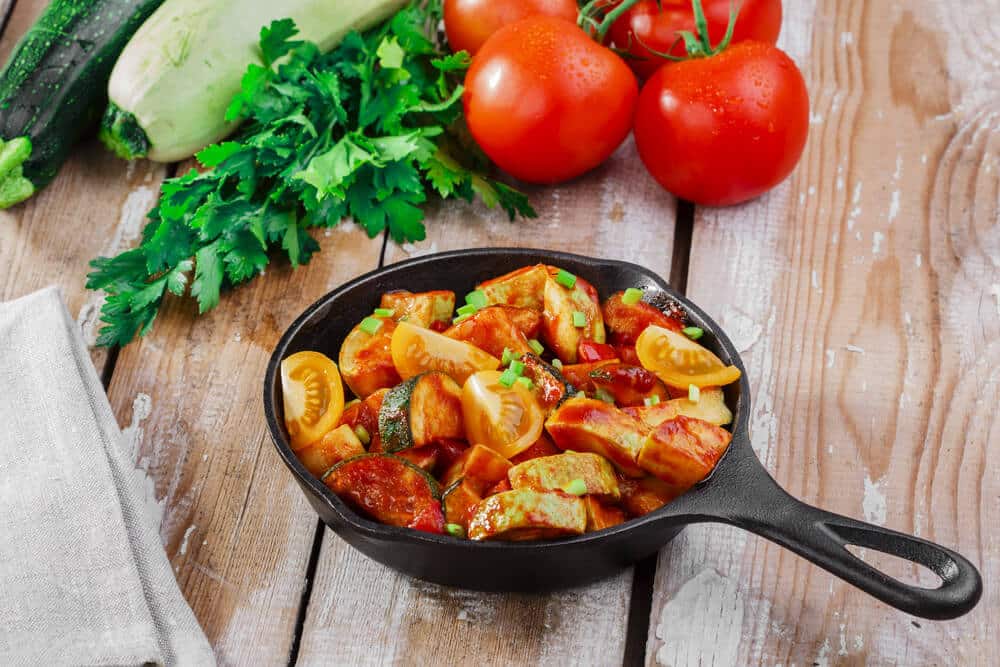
724	129
647	25
469	23
545	102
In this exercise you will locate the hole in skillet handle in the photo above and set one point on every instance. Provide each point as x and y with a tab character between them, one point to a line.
743	494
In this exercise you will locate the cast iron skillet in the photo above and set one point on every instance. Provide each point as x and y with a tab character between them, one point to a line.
740	492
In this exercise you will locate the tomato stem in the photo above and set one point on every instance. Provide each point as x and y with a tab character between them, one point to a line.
587	18
699	45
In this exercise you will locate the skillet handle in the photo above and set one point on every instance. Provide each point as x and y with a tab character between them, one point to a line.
751	499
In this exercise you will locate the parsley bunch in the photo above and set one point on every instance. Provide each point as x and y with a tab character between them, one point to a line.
365	131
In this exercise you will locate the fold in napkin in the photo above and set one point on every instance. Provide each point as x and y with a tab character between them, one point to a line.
84	579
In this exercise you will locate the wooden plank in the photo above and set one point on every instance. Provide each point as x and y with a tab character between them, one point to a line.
364	613
863	295
237	528
96	206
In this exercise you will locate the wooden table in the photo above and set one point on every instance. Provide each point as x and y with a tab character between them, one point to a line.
864	295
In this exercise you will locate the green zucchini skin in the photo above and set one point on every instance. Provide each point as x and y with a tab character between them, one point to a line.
54	87
394	416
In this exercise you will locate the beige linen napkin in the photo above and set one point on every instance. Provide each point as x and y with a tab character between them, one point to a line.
84	579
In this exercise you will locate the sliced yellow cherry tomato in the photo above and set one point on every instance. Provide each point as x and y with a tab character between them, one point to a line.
313	396
508	420
417	350
680	362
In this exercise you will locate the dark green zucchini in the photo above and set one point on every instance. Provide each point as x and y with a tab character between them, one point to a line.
420	411
53	89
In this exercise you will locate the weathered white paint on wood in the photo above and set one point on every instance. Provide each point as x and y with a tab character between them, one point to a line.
205	447
858	293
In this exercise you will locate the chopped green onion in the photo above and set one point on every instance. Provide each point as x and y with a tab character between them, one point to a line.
363	435
632	296
694	393
526	383
404	318
566	279
460	318
508	378
467	309
517	367
455	530
477	298
651	400
602	395
557	364
694	333
536	347
508	356
371	325
384	312
577	487
579	319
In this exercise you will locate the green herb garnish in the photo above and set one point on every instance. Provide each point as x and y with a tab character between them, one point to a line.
632	296
508	378
477	298
694	333
579	319
536	347
363	435
367	131
602	394
370	325
566	279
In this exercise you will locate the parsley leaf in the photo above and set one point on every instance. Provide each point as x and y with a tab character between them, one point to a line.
369	130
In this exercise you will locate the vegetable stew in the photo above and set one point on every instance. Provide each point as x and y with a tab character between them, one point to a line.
532	411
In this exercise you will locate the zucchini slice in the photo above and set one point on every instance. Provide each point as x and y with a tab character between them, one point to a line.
419	411
388	489
431	310
491	330
555	473
551	387
366	359
522	288
526	514
645	495
337	445
683	451
600	515
565	309
459	500
711	407
586	425
480	466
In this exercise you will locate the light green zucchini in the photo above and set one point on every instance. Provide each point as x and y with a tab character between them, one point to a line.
169	90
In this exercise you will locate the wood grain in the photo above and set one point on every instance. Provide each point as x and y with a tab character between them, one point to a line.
363	613
96	206
862	295
235	524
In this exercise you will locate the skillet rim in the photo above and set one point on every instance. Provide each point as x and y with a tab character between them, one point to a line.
381	532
